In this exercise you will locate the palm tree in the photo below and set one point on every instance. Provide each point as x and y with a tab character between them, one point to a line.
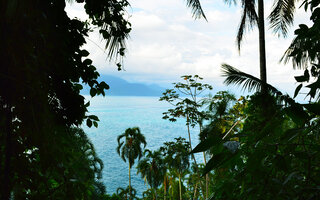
188	107
152	167
130	149
218	114
124	193
177	157
218	105
281	17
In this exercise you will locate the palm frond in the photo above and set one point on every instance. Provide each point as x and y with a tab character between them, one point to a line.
119	147
196	9
119	137
115	43
281	16
230	2
248	15
248	82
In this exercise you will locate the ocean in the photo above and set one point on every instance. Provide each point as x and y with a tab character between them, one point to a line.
116	114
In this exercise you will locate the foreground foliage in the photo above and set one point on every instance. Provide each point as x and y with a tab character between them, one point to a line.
44	65
277	151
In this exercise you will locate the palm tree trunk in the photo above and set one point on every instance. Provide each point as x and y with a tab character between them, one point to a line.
165	188
129	181
195	161
262	46
180	192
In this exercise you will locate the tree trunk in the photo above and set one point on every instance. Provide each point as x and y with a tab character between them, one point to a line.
180	192
195	192
129	181
262	47
165	188
8	154
195	161
207	176
205	163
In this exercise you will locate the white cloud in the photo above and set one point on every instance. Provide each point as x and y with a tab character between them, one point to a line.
167	43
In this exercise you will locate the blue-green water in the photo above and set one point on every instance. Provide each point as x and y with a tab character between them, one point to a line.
118	113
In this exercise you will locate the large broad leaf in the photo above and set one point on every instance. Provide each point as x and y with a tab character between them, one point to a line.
304	78
207	144
296	92
313	88
215	162
218	160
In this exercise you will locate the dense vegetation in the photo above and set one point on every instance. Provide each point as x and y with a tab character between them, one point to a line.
42	154
265	146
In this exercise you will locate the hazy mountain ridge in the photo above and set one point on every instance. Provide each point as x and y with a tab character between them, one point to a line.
121	87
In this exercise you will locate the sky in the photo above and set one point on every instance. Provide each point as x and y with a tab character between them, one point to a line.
166	43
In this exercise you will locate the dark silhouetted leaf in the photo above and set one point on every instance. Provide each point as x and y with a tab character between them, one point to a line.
89	123
207	144
296	92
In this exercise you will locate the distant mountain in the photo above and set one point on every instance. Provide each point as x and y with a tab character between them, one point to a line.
121	87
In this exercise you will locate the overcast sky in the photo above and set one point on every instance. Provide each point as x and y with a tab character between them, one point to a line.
166	43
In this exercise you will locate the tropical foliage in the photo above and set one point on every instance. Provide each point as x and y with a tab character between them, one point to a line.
276	153
44	65
265	146
187	104
129	147
152	168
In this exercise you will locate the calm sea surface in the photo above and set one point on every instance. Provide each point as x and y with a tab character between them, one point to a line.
116	114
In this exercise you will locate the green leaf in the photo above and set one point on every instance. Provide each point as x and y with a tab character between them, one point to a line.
313	88
300	78
217	160
119	66
207	144
95	124
89	123
87	62
93	92
297	90
78	86
304	78
104	85
94	117
84	53
87	104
